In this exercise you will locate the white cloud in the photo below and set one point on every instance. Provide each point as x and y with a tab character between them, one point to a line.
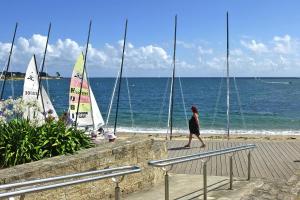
62	55
256	47
203	51
282	44
278	55
185	44
236	52
216	63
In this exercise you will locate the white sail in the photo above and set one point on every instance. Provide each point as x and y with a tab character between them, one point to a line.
49	108
30	91
89	114
97	117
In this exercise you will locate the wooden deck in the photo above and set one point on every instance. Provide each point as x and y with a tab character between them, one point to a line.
271	159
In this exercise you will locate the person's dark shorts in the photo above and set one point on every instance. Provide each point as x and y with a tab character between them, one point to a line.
195	131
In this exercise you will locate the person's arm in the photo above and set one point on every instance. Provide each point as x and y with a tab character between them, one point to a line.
197	119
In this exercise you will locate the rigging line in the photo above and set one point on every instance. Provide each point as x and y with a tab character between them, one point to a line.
120	80
173	77
2	71
183	103
47	82
163	102
112	99
217	103
239	102
83	71
39	69
130	106
12	85
8	62
40	73
46	71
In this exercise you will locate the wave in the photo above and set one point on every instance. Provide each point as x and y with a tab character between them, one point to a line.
142	130
278	82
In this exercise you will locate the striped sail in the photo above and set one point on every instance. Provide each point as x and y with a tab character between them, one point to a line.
89	114
30	91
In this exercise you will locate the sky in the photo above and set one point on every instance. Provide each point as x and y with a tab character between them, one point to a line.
264	36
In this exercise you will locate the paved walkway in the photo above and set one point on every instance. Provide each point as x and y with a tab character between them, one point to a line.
189	187
271	159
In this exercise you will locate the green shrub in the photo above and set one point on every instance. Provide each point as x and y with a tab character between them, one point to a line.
22	142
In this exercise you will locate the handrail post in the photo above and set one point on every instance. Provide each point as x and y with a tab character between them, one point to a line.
204	181
117	192
204	157
230	172
249	165
117	188
166	185
22	197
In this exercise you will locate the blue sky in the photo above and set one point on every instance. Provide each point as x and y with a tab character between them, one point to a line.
264	36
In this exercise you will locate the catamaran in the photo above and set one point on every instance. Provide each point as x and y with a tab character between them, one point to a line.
31	94
88	114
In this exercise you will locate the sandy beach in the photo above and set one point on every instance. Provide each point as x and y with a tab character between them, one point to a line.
233	137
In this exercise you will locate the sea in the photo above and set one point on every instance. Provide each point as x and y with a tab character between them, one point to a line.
268	106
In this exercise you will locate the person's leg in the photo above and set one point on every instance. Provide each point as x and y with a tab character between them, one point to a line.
198	136
190	140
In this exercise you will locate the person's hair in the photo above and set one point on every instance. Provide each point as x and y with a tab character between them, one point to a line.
194	109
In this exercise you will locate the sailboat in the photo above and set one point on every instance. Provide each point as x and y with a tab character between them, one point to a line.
30	92
89	115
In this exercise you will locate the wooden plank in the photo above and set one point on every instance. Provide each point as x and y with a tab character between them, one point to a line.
242	155
296	146
213	161
176	153
219	161
244	161
277	161
267	156
254	167
269	160
241	162
262	166
189	152
285	159
226	171
236	170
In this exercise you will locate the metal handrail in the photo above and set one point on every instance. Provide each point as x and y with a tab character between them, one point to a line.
106	173
181	159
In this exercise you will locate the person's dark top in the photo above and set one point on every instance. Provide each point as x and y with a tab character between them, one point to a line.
193	126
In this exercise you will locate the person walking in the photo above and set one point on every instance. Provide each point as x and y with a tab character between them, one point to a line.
194	127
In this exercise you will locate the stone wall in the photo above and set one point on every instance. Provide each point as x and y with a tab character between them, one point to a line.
137	151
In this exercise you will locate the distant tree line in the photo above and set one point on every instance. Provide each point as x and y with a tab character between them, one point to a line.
22	75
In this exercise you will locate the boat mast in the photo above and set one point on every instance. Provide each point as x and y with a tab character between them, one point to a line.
120	77
8	62
228	89
83	71
173	81
42	70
